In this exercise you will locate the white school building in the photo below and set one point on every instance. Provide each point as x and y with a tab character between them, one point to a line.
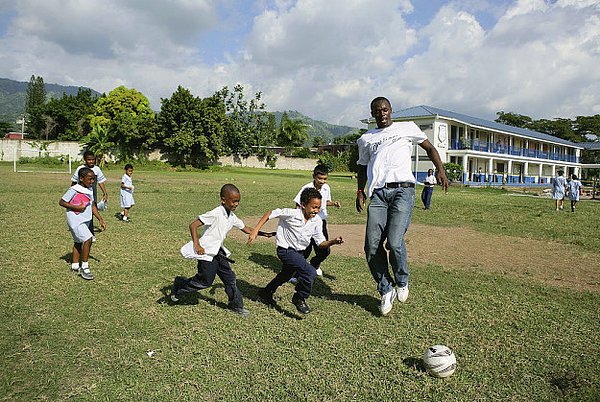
489	152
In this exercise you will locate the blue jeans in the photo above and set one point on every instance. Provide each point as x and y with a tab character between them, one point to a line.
388	217
426	196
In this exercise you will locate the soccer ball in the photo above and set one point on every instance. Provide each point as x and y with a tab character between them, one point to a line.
439	361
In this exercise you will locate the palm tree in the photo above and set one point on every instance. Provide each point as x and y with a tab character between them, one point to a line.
292	133
98	142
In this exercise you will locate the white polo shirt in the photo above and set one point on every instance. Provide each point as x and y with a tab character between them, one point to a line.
325	193
293	232
387	153
217	225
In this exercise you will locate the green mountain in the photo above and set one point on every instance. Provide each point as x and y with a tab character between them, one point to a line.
13	93
318	128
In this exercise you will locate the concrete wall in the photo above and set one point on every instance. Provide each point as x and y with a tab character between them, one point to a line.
26	148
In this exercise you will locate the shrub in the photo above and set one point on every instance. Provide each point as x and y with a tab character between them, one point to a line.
454	171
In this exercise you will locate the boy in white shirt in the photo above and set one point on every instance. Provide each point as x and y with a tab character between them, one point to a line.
90	162
319	182
212	256
296	229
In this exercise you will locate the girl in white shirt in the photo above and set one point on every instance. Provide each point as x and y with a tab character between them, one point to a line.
80	206
127	200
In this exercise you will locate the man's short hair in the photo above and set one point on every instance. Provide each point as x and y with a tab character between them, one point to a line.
321	169
380	99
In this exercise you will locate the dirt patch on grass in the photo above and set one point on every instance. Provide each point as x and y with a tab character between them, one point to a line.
542	261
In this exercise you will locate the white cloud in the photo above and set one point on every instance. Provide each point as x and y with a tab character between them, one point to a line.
325	59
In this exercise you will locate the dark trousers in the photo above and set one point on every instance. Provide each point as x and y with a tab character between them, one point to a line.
294	261
426	196
320	253
207	270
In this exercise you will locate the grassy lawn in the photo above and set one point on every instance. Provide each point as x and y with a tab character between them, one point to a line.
115	338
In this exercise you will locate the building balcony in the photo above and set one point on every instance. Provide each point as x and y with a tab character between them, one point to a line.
492	148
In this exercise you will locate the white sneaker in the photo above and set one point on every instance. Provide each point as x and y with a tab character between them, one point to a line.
402	293
387	300
319	272
93	239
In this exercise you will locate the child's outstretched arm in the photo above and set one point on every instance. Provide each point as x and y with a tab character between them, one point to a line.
248	230
98	216
329	243
259	225
334	204
196	223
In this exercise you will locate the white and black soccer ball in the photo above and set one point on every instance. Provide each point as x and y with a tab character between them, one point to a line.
439	361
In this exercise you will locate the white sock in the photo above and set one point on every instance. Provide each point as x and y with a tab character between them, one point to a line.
85	265
75	266
125	218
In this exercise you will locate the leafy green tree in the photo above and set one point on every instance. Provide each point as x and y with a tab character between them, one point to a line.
34	104
127	115
247	126
292	132
192	128
454	171
6	127
98	141
587	126
514	119
71	114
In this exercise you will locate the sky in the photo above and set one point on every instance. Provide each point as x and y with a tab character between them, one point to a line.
325	59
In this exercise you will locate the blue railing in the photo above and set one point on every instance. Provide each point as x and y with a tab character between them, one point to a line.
513	151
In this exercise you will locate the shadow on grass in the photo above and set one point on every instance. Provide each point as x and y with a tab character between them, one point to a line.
190	299
414	363
320	288
69	257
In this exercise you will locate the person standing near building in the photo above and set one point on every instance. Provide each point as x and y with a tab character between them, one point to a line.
430	181
574	191
384	158
558	190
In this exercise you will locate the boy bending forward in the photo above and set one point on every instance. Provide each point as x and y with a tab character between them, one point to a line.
296	229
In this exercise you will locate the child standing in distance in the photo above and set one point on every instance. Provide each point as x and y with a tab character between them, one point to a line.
319	182
78	201
574	191
127	200
212	256
558	190
429	183
90	162
296	229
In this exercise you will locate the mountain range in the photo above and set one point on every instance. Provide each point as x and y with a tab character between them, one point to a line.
13	94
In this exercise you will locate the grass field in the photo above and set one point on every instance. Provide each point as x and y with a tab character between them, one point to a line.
115	339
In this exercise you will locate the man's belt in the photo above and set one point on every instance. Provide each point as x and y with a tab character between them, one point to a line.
402	184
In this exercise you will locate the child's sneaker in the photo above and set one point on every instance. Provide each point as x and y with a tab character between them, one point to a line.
319	272
293	280
75	268
86	274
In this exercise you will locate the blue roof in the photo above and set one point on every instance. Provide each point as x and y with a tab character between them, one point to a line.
430	111
591	146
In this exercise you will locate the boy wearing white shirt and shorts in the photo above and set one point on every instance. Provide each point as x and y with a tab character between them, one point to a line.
213	257
296	229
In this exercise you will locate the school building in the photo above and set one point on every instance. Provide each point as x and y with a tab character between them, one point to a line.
490	153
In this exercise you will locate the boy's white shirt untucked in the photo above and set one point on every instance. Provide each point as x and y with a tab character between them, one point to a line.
216	226
293	232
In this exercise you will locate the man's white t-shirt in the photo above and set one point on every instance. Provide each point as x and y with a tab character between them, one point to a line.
387	153
325	193
100	178
293	232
